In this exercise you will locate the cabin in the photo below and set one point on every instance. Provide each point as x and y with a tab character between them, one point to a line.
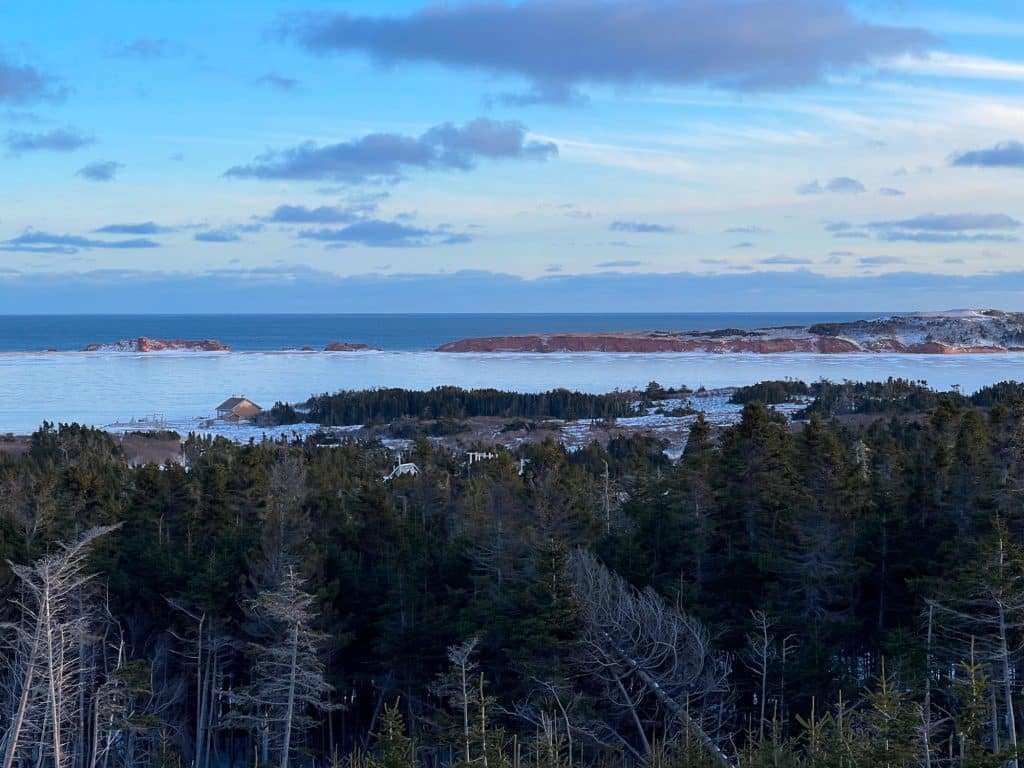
238	408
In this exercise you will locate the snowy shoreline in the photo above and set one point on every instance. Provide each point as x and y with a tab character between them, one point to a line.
102	388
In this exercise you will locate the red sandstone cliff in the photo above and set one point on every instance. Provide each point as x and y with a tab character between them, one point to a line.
926	333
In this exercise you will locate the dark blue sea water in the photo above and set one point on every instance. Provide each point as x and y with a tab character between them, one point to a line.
27	333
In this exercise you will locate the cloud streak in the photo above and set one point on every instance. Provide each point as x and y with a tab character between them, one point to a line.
138	228
278	82
145	47
642	228
56	140
45	242
231	233
738	44
225	235
783	259
946	228
951	222
879	261
840	185
388	156
23	84
1009	154
377	233
324	214
100	170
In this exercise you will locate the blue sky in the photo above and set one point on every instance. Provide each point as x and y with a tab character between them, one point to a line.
549	154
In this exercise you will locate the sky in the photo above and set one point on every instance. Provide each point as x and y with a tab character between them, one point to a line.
546	155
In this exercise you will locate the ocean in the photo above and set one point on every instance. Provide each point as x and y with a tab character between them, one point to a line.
407	333
106	388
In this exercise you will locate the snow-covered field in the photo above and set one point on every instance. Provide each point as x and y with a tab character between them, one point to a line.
674	430
101	389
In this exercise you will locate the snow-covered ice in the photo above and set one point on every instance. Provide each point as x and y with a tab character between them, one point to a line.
101	389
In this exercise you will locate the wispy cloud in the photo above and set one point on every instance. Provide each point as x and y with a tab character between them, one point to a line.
21	84
784	259
948	228
838	226
387	156
951	222
323	214
217	236
278	82
642	228
942	64
137	228
880	261
1009	154
748	229
34	241
231	233
940	238
562	94
619	264
145	47
377	233
840	185
56	140
100	170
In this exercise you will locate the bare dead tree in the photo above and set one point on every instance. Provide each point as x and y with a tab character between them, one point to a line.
287	492
644	650
48	670
758	656
457	687
555	710
206	650
289	680
991	615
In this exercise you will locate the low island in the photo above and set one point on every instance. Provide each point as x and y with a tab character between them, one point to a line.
146	344
926	333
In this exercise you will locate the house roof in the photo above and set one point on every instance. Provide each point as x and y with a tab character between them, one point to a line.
233	402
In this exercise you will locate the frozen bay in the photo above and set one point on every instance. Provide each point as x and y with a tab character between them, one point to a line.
101	388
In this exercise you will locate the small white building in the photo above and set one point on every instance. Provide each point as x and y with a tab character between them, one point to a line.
472	457
403	470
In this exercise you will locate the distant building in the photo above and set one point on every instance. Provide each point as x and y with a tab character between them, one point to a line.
401	470
472	457
236	409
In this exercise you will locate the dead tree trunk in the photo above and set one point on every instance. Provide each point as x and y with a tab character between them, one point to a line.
50	640
634	633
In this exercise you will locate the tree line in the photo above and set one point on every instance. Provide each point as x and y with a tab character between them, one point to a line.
383	405
826	593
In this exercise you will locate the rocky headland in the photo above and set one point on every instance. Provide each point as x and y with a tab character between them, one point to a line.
146	344
349	346
922	333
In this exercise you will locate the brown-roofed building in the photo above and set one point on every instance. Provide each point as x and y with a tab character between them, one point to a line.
237	409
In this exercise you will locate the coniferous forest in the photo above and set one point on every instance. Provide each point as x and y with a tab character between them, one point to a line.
843	590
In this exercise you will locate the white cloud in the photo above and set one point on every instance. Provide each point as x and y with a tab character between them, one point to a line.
940	64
